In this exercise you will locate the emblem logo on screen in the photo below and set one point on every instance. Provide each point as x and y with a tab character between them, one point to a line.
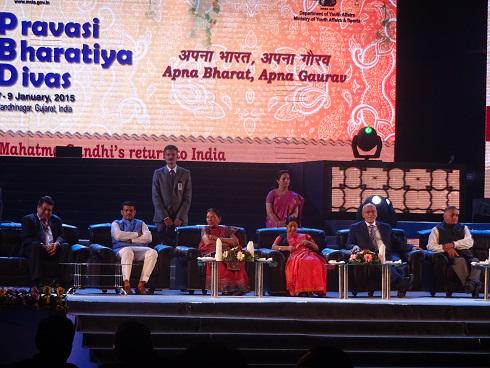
327	2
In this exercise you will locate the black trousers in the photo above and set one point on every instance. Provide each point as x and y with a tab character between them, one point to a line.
42	266
167	234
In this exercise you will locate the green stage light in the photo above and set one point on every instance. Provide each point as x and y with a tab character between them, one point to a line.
365	141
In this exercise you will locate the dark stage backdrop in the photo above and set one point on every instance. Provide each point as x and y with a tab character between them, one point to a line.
91	191
441	59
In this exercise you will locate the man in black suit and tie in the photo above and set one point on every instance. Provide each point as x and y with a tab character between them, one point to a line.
171	195
374	235
42	242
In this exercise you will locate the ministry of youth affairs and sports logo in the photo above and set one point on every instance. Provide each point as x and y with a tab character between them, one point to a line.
327	2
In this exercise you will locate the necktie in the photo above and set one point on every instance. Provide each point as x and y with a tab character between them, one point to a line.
171	187
45	226
172	179
372	236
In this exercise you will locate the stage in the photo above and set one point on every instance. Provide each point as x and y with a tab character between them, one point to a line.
416	331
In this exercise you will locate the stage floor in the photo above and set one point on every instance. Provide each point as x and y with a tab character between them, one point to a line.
174	296
275	331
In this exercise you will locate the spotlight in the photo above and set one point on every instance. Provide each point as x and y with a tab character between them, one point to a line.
376	200
366	139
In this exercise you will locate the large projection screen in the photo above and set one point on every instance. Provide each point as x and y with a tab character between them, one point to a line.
224	80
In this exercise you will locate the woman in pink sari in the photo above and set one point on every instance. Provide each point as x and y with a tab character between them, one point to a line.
306	273
282	202
230	281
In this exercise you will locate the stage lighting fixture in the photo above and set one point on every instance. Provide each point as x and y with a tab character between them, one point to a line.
366	139
376	199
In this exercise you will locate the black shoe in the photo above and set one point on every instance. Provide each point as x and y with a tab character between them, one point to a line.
469	286
476	291
404	285
401	293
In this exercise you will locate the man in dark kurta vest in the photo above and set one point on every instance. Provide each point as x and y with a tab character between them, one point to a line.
453	242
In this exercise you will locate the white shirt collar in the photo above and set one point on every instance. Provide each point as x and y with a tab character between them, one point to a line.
40	219
368	224
174	169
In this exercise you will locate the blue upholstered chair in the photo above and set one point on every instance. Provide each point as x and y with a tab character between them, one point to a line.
101	252
414	258
14	268
448	281
274	277
189	274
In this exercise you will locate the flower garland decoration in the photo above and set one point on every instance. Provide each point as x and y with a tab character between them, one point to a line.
47	296
237	254
364	256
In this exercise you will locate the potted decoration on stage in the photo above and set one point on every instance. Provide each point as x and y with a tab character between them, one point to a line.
364	256
232	257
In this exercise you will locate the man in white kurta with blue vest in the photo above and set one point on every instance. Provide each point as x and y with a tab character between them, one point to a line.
131	241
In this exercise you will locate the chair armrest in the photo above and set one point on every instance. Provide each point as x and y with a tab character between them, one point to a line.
332	254
166	250
102	253
81	253
79	247
276	255
431	256
186	252
414	255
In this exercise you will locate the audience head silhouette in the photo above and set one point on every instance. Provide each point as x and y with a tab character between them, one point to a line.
54	338
132	343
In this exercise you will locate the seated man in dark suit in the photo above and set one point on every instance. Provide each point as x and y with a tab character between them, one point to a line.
42	240
372	235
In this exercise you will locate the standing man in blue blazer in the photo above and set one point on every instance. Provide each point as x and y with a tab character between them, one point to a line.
171	195
371	234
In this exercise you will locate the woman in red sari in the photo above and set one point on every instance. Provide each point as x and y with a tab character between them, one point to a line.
282	202
230	282
305	268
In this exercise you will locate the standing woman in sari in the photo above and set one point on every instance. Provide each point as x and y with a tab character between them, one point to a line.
230	281
306	273
282	202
